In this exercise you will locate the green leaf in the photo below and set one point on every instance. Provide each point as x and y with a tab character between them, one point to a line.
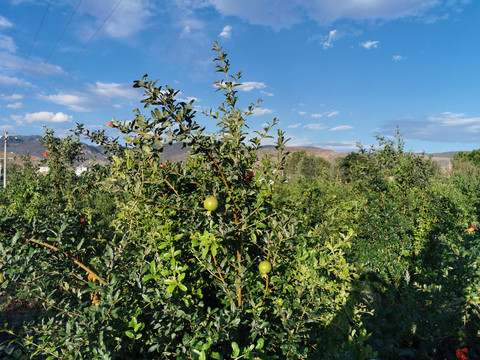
182	287
15	238
153	267
236	349
260	343
171	288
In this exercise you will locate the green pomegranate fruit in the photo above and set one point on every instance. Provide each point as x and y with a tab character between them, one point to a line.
210	204
265	267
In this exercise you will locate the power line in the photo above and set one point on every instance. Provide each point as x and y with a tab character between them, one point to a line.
94	34
32	45
59	38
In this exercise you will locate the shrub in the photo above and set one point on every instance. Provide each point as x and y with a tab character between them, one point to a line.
175	280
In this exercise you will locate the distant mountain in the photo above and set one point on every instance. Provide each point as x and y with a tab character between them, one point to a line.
175	152
448	154
31	145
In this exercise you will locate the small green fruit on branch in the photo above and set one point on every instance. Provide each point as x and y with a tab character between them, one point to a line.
265	267
210	204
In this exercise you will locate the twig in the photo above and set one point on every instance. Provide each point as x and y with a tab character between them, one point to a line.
84	267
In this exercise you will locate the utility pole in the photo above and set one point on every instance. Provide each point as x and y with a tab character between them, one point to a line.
5	158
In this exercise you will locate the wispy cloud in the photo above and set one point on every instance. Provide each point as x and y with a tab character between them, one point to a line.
33	66
284	14
261	111
399	57
453	119
251	85
342	127
12	97
370	44
226	32
7	43
93	96
302	113
294	126
315	126
8	82
330	113
330	38
338	146
17	105
127	19
446	127
4	22
278	15
266	93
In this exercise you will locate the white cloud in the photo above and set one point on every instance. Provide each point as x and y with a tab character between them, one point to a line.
191	27
186	31
370	44
128	18
17	105
452	119
251	85
285	13
261	111
399	57
342	127
93	96
294	126
12	97
44	117
446	127
474	129
4	22
7	82
189	34
330	38
32	67
266	93
73	102
278	13
332	113
329	114
338	146
226	32
114	90
7	43
302	113
315	126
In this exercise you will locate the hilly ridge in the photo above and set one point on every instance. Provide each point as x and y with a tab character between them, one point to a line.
31	146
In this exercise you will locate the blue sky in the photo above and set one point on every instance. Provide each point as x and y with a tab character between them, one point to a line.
334	72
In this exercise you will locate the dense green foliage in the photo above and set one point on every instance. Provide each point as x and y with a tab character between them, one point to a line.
373	257
469	156
300	163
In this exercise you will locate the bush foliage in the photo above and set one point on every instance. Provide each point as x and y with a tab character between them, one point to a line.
375	257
